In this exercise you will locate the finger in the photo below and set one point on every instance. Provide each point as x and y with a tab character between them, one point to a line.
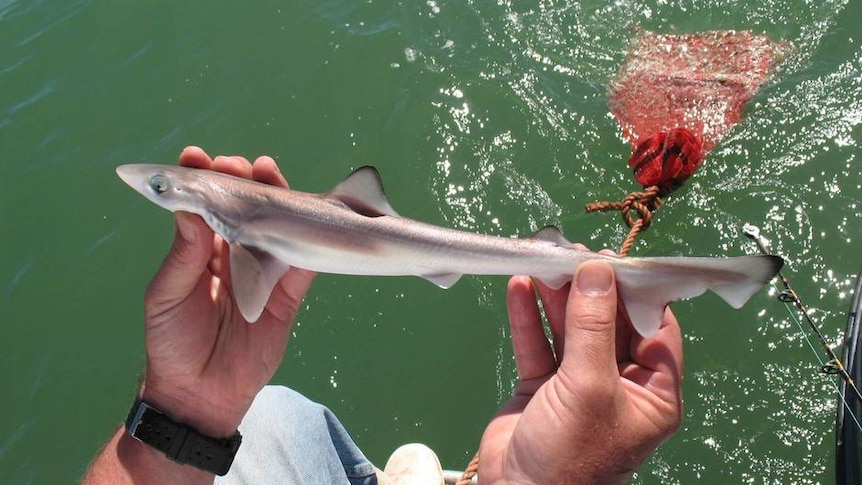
287	295
671	335
218	264
591	313
184	264
241	159
554	303
625	333
236	166
624	326
663	351
266	170
533	355
195	157
656	365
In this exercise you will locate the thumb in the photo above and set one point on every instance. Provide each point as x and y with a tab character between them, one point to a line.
590	352
185	263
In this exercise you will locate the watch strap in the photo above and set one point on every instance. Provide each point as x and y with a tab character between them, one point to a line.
181	443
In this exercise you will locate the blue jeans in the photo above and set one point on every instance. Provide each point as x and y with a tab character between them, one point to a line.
289	439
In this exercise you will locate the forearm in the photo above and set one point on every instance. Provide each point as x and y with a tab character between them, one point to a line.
125	460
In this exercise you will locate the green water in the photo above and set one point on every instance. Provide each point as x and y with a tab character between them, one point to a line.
487	116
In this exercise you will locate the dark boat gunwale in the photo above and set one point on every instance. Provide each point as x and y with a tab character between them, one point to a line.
848	439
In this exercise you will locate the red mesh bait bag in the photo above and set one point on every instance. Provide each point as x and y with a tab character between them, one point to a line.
677	96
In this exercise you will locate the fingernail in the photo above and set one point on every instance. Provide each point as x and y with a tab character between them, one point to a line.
594	278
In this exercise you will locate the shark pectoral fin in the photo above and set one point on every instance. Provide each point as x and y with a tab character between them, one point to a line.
363	192
254	273
443	280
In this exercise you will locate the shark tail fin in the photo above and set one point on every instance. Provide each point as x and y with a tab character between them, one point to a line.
645	294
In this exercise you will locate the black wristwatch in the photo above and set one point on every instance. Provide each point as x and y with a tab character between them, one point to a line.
181	443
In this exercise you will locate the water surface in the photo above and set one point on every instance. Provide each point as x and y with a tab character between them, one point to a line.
490	117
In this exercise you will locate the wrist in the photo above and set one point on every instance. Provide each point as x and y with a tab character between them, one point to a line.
210	418
181	443
140	463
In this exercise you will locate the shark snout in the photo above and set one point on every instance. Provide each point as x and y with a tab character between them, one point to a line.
133	175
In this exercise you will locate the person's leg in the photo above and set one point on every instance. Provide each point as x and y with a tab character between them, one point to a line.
290	439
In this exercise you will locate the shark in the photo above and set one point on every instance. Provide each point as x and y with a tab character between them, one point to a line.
353	230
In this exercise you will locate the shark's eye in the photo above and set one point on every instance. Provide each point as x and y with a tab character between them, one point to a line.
159	183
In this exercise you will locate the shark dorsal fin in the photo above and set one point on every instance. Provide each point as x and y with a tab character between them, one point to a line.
363	192
552	234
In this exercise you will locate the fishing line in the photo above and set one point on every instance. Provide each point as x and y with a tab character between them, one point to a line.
825	367
788	296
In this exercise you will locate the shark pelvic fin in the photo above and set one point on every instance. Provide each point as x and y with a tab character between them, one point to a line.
443	280
254	273
363	192
555	282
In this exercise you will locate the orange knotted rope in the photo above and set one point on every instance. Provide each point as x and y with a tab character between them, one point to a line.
470	472
643	204
661	163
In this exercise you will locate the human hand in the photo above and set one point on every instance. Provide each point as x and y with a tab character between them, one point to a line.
205	363
597	410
